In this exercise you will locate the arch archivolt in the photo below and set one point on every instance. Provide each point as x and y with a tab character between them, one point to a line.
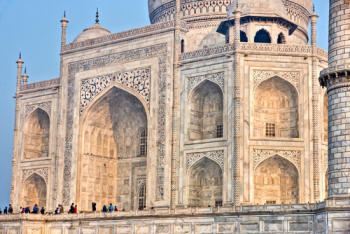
217	78
293	77
45	106
293	156
42	172
216	156
135	81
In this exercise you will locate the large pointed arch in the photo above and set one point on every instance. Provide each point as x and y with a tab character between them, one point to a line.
276	181
205	184
276	111
34	191
36	135
205	116
110	127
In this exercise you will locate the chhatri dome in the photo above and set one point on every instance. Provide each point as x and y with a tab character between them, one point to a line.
267	8
94	31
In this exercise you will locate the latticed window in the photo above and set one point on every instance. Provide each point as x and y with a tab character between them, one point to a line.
142	197
270	202
143	142
219	130
270	130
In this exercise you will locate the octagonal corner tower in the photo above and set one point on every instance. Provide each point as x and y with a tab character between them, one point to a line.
297	11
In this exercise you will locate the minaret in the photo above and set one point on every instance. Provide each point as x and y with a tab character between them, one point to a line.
316	109
15	158
25	76
64	23
19	73
337	80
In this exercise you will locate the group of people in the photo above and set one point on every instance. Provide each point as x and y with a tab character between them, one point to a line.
7	210
23	210
73	209
35	210
111	208
59	210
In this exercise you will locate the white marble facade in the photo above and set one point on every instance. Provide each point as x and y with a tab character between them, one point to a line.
217	106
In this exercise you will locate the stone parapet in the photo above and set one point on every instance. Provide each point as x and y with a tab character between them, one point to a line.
304	218
295	50
36	86
122	36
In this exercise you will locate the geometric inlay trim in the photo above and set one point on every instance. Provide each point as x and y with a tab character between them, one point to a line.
43	172
292	77
217	156
217	78
293	156
138	80
45	106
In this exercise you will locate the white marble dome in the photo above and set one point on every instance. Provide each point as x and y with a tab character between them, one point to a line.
93	32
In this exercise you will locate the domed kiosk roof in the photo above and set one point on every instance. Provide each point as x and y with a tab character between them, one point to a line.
266	8
93	32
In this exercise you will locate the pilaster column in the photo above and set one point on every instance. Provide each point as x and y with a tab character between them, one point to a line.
237	113
316	110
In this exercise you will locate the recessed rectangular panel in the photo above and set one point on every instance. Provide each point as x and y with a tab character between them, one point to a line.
163	228
341	224
142	229
182	229
203	228
249	227
105	230
225	228
88	231
124	229
273	226
298	226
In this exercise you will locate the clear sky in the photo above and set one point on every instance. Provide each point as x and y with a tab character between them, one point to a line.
32	27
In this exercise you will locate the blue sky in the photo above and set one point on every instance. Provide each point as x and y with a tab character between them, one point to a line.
32	27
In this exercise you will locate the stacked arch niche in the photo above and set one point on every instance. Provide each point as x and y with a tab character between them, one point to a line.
206	112
113	154
276	181
36	135
276	109
34	192
205	184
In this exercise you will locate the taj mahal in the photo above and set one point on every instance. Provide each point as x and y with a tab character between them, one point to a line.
222	116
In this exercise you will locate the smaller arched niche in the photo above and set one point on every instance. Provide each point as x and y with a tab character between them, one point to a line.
262	36
276	109
281	39
276	182
36	135
34	192
206	112
205	184
243	36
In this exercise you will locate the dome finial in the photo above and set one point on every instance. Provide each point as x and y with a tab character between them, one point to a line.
97	17
20	55
313	7
64	14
